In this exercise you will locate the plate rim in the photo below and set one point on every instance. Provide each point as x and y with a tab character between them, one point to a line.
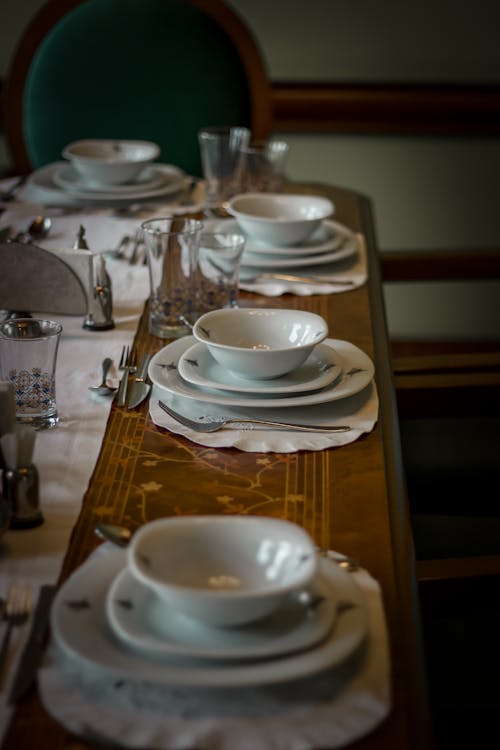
46	172
259	248
243	652
317	397
154	181
351	629
326	378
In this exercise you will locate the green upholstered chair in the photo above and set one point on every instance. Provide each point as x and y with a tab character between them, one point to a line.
149	69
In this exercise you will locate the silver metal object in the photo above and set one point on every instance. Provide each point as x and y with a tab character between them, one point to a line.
218	424
100	313
109	532
325	279
128	363
33	651
17	611
20	489
140	389
104	389
37	230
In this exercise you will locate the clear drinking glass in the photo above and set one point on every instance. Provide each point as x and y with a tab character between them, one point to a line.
28	355
261	166
218	271
172	257
219	150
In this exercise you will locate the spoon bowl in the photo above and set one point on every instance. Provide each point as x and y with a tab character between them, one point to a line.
40	227
37	230
103	389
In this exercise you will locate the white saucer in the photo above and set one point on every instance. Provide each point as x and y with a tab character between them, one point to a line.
197	366
80	629
174	180
143	622
281	262
329	236
356	366
68	178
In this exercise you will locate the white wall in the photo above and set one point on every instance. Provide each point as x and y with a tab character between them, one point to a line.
427	192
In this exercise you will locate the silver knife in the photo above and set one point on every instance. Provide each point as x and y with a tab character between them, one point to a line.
139	389
33	651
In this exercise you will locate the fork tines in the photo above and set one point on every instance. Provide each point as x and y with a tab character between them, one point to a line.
128	363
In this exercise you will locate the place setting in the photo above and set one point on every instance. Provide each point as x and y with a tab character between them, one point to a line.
294	245
263	379
103	172
237	625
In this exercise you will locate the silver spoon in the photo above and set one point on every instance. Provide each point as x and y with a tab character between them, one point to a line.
104	389
118	535
37	230
40	227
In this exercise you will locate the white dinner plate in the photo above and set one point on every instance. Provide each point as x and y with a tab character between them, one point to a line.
43	179
142	621
357	372
68	178
261	263
329	236
80	629
197	366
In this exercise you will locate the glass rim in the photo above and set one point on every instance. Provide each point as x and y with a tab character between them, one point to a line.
216	130
189	226
55	328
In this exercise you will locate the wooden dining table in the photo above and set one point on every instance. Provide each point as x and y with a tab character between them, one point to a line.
349	498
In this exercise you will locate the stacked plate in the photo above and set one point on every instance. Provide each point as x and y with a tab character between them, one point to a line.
334	370
63	180
105	619
330	243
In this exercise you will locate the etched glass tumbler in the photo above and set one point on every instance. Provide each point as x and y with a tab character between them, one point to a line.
172	256
28	355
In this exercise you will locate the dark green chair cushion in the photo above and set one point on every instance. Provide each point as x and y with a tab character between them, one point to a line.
150	69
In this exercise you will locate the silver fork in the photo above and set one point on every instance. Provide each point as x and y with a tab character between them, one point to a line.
17	610
128	363
324	279
218	424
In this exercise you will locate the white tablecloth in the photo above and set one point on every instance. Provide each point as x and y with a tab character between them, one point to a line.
65	456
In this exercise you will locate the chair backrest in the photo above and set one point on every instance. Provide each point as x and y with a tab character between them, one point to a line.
150	69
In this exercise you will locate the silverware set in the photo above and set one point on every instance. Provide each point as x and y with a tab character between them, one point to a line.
130	249
139	387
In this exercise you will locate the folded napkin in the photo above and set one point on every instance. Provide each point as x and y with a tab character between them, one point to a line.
354	269
328	709
359	411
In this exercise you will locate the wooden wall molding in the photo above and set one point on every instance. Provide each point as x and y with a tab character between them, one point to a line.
406	109
412	109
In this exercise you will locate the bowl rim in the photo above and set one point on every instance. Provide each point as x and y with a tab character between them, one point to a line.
215	594
329	207
69	154
244	312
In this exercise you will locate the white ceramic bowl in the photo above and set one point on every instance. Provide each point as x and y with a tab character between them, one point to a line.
260	343
223	570
280	219
110	162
